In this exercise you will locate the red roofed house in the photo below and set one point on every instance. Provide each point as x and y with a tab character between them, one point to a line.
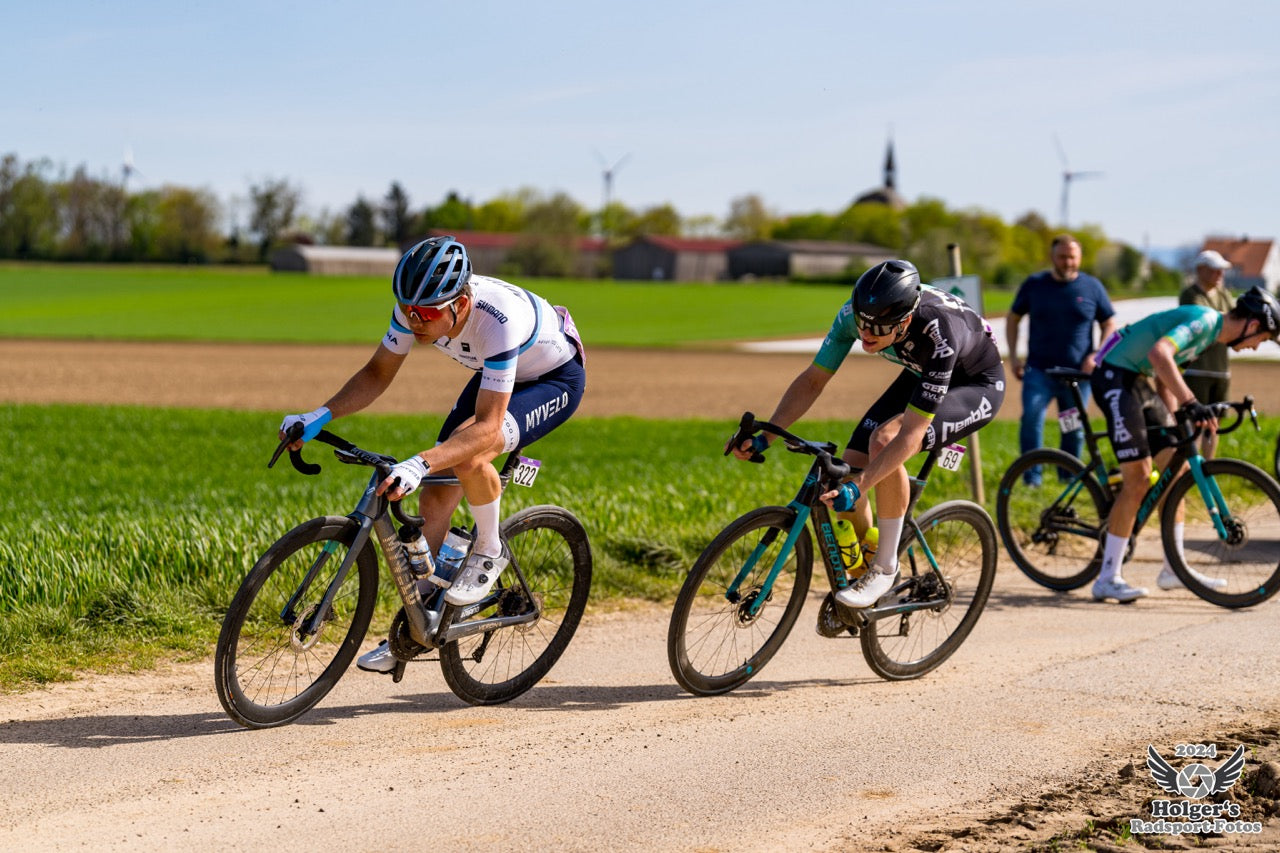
490	251
654	258
1252	261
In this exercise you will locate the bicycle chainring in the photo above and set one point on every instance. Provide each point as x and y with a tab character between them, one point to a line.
401	642
830	624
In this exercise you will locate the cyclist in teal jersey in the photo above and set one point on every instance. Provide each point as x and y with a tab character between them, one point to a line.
1155	347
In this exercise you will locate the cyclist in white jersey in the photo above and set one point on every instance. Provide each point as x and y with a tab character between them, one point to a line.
529	379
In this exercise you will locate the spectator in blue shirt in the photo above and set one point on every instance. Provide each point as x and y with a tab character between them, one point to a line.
1063	304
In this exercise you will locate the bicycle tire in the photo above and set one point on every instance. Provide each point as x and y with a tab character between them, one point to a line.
962	538
1250	561
550	549
1275	463
714	645
266	674
1043	531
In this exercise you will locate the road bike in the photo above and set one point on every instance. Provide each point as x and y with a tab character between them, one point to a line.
744	592
302	611
1054	531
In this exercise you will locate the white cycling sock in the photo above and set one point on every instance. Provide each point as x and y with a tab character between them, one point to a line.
887	551
487	518
1179	531
1112	556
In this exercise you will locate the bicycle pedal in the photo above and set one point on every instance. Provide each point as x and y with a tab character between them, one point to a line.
830	625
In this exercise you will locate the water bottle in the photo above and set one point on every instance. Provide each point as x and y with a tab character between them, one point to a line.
870	544
1115	479
452	552
416	550
850	550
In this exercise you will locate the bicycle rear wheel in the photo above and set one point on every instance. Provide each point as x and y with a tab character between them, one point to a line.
1052	531
1247	561
550	551
715	642
963	541
267	669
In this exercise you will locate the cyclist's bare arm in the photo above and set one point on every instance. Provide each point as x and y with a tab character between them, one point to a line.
1166	370
478	440
796	400
900	448
364	386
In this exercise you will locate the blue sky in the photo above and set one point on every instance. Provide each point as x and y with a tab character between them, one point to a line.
1178	104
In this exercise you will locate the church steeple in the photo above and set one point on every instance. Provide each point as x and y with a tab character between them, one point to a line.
888	193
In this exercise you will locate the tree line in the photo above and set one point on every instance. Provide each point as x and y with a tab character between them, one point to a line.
54	216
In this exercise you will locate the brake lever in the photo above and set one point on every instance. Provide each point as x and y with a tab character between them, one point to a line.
295	456
746	430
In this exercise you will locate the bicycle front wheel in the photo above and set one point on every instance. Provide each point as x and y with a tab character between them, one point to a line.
963	542
551	553
725	627
269	667
1052	530
1243	567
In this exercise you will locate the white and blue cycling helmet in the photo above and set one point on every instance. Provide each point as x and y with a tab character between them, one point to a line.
432	272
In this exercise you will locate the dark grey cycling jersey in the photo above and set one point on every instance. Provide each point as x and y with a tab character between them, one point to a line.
946	345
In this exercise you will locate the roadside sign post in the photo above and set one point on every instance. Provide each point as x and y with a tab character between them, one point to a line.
969	289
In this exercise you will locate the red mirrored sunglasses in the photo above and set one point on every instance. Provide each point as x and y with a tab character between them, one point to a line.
427	313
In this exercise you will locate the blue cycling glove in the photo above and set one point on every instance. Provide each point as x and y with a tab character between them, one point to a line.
312	422
846	497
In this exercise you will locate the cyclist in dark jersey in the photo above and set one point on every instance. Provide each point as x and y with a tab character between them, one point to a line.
952	384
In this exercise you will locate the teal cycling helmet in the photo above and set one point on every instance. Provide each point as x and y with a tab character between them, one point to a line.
1257	304
431	272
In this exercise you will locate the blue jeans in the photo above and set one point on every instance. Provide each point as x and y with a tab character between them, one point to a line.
1038	388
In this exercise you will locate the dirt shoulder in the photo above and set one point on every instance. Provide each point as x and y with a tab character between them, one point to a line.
645	383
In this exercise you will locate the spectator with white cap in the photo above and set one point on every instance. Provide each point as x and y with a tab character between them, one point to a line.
1209	375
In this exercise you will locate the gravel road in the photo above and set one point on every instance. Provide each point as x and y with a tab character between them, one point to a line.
1050	693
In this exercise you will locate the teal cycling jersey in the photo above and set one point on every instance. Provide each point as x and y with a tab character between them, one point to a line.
1190	328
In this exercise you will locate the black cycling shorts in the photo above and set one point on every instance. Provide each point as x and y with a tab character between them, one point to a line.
964	410
1132	408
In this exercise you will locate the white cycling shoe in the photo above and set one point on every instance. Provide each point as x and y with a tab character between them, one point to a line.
1117	589
868	589
476	579
377	660
1168	580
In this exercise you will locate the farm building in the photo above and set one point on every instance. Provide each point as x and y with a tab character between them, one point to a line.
802	258
335	260
490	252
1252	261
654	258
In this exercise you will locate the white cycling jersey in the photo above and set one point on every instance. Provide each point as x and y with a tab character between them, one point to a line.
511	336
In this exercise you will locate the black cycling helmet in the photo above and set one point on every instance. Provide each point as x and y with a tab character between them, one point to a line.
1258	304
884	295
433	271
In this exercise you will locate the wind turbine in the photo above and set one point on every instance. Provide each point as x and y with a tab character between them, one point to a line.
127	169
608	173
1067	177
